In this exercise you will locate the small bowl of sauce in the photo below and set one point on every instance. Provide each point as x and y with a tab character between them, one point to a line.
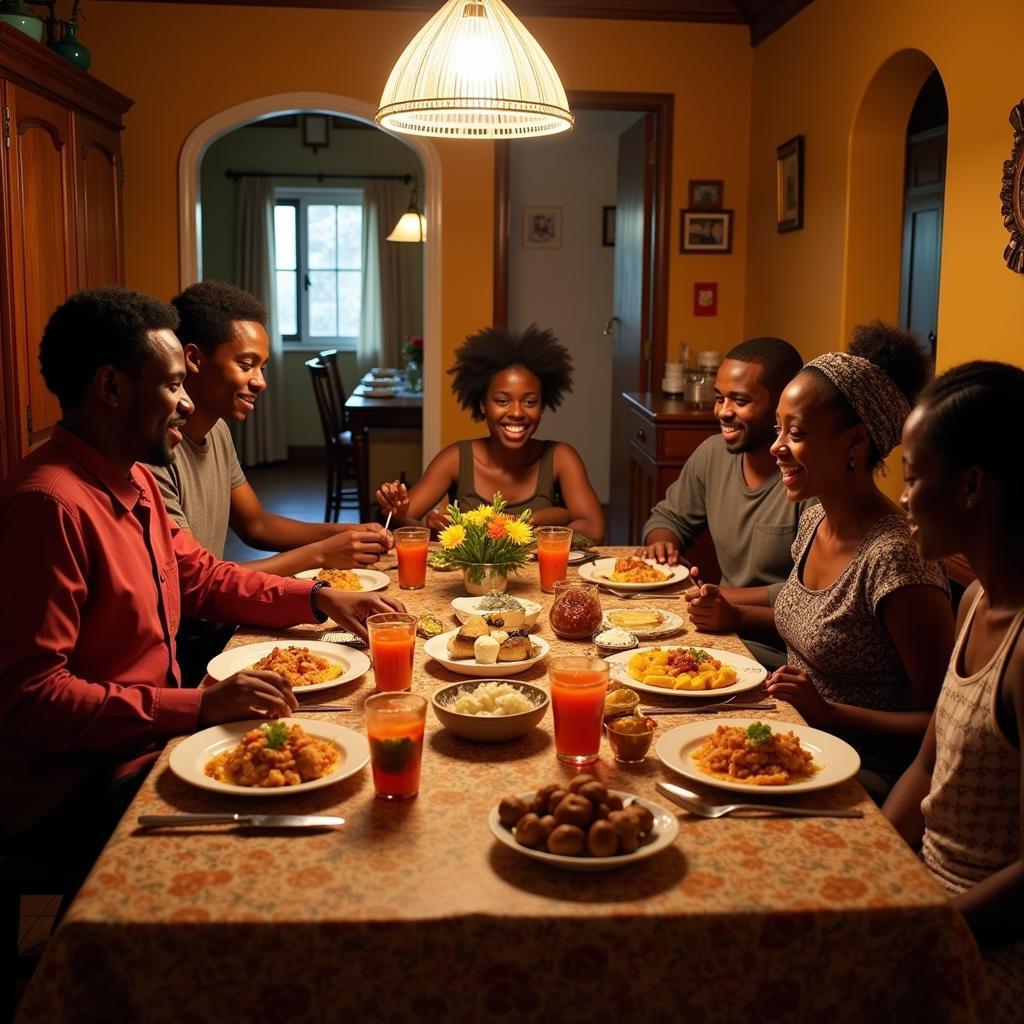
630	737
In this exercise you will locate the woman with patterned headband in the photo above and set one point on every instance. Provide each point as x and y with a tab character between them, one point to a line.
867	624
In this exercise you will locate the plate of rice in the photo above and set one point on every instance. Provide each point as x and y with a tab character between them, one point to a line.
309	665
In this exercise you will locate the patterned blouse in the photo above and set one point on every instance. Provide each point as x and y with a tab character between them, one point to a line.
837	637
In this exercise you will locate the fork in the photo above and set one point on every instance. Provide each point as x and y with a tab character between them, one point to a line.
323	707
708	709
645	595
695	805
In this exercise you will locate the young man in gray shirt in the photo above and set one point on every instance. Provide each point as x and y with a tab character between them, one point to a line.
731	487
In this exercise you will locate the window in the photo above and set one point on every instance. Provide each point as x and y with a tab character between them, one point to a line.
318	236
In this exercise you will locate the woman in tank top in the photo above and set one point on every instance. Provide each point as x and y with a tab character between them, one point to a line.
505	380
960	800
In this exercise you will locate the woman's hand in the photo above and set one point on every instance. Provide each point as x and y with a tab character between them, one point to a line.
710	611
393	498
244	694
795	686
351	609
361	546
437	519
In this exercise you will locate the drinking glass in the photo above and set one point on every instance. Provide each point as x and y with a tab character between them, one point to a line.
553	543
392	643
394	727
578	687
411	543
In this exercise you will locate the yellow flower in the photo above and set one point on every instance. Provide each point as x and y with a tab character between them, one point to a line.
478	516
452	536
519	531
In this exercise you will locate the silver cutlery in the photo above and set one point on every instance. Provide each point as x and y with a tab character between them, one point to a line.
695	805
708	709
639	595
323	707
244	820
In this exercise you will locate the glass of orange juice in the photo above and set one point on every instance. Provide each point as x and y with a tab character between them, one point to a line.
411	543
578	687
553	544
392	643
394	727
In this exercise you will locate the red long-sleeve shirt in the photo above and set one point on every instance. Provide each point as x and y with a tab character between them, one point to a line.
94	578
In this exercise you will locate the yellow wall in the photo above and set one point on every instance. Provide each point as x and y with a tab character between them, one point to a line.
184	63
810	78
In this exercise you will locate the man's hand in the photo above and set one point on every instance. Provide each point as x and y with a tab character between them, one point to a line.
393	498
350	610
361	546
662	545
248	693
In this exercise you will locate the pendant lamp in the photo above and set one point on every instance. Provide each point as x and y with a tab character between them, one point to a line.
412	225
474	72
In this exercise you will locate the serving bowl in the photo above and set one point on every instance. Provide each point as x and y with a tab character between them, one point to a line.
464	607
484	729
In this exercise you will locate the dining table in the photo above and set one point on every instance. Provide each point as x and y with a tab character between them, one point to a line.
413	912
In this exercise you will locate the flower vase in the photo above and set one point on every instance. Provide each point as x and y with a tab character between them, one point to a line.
482	579
414	376
70	48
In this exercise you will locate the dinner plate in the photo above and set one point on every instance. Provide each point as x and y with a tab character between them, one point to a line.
191	756
365	392
235	659
464	607
381	382
600	569
575	555
662	835
749	674
372	579
670	623
437	648
837	759
385	371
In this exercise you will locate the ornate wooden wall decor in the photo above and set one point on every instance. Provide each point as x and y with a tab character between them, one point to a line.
1012	193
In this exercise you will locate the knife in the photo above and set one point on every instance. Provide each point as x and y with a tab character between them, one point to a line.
712	709
245	820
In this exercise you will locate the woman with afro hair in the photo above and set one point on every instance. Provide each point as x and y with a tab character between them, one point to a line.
505	380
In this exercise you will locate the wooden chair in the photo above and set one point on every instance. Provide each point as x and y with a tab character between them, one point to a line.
330	403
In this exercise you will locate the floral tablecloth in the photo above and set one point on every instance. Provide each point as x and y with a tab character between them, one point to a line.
413	912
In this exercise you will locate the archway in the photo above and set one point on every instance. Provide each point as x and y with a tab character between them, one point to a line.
874	214
190	215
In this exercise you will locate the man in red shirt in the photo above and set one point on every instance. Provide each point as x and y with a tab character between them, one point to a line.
96	577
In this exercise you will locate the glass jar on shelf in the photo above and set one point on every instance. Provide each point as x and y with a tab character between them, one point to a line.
700	381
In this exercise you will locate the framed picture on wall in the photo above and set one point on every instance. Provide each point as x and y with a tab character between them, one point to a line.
789	184
542	227
706	231
608	226
706	195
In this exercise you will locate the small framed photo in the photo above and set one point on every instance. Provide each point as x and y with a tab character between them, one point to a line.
542	227
706	231
706	195
608	226
315	130
789	184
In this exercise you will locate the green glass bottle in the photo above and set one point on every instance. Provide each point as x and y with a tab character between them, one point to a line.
70	48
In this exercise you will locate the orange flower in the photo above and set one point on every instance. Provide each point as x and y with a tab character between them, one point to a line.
496	528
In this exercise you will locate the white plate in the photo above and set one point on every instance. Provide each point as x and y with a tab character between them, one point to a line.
234	659
192	755
385	371
437	648
670	623
372	579
749	674
365	392
381	382
600	569
666	828
838	760
576	555
464	607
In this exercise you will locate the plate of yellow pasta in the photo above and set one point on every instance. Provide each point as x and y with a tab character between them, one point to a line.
687	671
633	573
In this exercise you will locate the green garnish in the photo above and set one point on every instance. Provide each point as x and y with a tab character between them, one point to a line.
276	734
393	755
699	655
758	733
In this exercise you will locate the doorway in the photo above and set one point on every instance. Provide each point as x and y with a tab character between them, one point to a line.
606	299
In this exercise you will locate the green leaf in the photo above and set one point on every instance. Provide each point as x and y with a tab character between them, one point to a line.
276	734
393	755
758	733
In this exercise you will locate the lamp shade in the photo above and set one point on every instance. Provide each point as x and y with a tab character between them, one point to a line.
473	71
411	227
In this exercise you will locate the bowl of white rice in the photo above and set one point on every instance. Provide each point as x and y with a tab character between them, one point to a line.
490	710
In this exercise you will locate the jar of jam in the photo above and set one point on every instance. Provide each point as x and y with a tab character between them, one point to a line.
576	611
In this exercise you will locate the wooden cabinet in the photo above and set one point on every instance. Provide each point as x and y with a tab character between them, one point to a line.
60	217
663	434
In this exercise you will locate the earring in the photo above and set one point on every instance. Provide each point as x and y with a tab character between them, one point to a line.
851	465
970	502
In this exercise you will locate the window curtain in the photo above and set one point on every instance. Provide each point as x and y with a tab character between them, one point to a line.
386	322
263	437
